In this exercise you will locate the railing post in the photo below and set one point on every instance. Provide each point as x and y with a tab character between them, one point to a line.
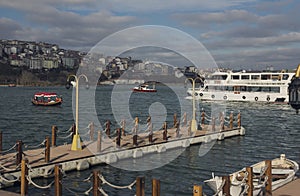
231	120
54	134
135	131
239	122
226	187
47	150
73	131
249	170
107	128
123	124
165	132
213	124
92	130
140	186
184	123
155	187
99	142
118	138
174	119
268	164
24	174
19	152
202	118
57	180
197	190
96	183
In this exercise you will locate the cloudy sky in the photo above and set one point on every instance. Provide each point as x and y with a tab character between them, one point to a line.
237	33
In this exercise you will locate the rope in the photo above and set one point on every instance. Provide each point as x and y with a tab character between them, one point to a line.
116	186
34	155
243	181
41	144
66	136
88	132
77	193
245	190
102	191
9	181
38	186
5	151
220	188
7	169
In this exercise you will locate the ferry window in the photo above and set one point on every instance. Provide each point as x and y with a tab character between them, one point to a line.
256	89
235	77
275	77
254	77
219	77
285	76
275	89
243	88
229	88
265	89
245	77
265	77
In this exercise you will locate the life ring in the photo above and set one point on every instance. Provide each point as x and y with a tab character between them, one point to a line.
256	98
268	98
225	97
201	94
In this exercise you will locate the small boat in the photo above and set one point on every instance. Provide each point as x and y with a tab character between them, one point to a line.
12	85
144	88
283	172
46	99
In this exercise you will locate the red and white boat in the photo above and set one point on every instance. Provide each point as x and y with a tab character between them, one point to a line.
46	99
144	88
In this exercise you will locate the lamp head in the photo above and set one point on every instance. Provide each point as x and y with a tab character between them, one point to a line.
68	84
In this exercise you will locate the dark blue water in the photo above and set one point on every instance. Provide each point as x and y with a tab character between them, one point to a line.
270	131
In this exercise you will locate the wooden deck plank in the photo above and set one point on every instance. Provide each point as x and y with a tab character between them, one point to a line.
290	189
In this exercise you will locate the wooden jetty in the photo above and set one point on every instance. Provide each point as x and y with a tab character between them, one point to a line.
41	162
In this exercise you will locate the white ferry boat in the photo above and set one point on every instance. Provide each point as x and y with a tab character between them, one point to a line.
265	86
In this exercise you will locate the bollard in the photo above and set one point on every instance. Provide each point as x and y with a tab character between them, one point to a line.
268	163
202	118
57	180
54	134
47	150
231	120
197	190
96	183
226	187
0	142
24	181
118	138
239	122
107	128
99	142
249	170
155	187
19	152
140	186
165	132
174	119
92	131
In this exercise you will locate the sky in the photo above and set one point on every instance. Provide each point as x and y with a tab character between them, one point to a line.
246	34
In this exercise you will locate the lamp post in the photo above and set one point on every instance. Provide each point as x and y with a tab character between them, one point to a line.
194	122
76	144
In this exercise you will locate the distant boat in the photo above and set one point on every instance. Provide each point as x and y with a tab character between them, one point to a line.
12	85
144	88
283	172
46	99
